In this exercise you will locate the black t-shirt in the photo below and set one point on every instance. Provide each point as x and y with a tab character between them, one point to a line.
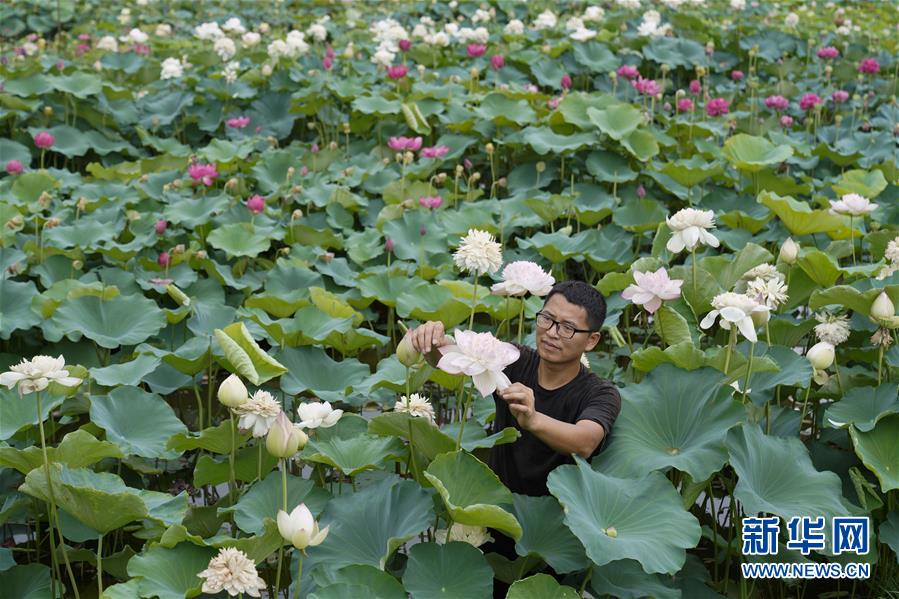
524	465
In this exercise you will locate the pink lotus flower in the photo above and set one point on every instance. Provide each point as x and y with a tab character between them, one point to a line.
480	356
828	53
328	63
565	82
786	121
736	75
44	140
684	105
777	102
641	191
304	170
238	122
647	87
628	72
397	71
256	204
869	66
14	167
161	226
82	49
205	173
329	52
404	143
388	245
475	50
717	107
431	202
652	288
809	101
405	45
142	49
695	87
497	61
523	276
553	103
163	259
314	148
434	152
840	96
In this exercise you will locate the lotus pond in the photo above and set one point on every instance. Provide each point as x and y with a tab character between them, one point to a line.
206	201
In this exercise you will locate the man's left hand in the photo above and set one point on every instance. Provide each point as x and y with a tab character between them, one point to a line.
521	403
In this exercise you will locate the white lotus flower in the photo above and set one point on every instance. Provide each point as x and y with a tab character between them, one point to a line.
594	13
296	42
230	71
258	413
479	253
135	36
583	34
852	204
383	57
318	32
652	288
892	251
235	26
514	27
415	405
834	329
171	69
767	272
574	23
467	533
737	4
278	49
546	20
225	48
791	20
689	229
300	528
735	309
628	3
317	414
523	276
233	571
37	373
208	31
789	251
163	30
250	39
107	42
481	16
480	356
771	292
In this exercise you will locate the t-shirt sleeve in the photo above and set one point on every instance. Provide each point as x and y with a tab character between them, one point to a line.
602	406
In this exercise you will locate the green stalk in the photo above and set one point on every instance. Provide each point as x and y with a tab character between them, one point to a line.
233	479
412	450
474	299
259	459
521	321
283	467
748	371
804	406
730	346
299	571
100	565
879	362
463	416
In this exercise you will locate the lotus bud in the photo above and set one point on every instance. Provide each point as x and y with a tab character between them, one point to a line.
176	294
612	531
266	70
821	355
385	161
14	222
284	439
760	317
77	264
300	528
566	230
144	178
231	183
132	215
348	171
700	71
541	166
883	308
177	183
327	257
43	200
666	68
613	76
789	251
408	157
405	353
284	251
296	189
475	72
154	121
201	254
296	214
232	392
332	145
82	204
441	178
502	182
51	222
459	169
48	111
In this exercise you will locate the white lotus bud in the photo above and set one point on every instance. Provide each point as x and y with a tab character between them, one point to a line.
789	251
284	439
405	353
821	355
883	308
232	392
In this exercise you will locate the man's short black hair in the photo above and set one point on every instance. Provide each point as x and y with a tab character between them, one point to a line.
582	294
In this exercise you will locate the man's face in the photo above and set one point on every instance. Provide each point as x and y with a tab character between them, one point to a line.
552	345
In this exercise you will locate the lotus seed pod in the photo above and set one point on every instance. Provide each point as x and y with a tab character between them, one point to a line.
821	355
48	111
541	166
232	392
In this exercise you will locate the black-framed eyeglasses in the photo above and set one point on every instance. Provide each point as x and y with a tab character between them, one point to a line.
566	331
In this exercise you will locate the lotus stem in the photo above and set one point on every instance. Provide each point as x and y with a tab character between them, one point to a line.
693	255
879	362
714	529
199	407
412	450
474	299
804	407
521	321
661	331
100	565
748	371
299	571
730	345
463	416
233	479
259	459
283	466
852	237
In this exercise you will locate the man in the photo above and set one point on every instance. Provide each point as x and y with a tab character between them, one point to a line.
559	405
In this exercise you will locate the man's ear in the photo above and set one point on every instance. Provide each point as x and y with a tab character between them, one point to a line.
594	340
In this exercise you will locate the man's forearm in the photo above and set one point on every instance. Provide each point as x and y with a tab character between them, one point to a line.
562	437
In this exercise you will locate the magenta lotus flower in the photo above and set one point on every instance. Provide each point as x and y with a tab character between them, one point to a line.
840	96
329	52
786	121
205	173
14	167
736	75
652	288
328	63
476	50
641	191
401	143
163	259
44	140
777	102
628	72
397	71
238	122
828	53
431	202
405	45
160	226
647	87
695	87
809	101
434	152
869	66
717	107
497	61
389	245
256	204
481	356
565	82
684	105
553	103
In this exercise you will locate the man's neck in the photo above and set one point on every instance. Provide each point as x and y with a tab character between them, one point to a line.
552	376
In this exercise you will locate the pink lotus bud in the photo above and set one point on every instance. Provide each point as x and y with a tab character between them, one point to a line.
405	45
736	75
497	61
786	121
695	87
476	50
256	204
304	170
44	140
388	245
566	81
163	259
628	72
327	63
14	167
397	71
161	226
641	191
684	105
314	149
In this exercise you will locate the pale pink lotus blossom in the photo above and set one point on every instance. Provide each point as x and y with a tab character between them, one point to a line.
480	356
14	167
717	107
647	87
202	172
852	204
476	50
777	102
404	143
397	71
256	204
628	72
238	122
434	152
431	202
828	52
497	61
523	276
652	288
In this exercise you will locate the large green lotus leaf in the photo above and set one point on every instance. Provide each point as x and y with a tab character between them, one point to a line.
272	112
639	215
675	51
311	369
456	569
802	219
700	295
19	412
264	499
245	356
889	532
616	121
692	171
684	355
213	471
776	475
367	526
878	449
122	590
573	107
852	298
13	150
239	239
752	153
376	105
76	450
432	302
822	268
28	581
100	501
29	186
73	142
374	582
6	559
673	418
426	438
866	183
506	111
863	407
120	320
354	455
15	306
544	140
79	84
609	167
545	534
124	414
126	373
192	213
385	289
540	586
597	57
170	573
671	326
625	579
795	370
727	270
642	145
216	439
472	492
645	516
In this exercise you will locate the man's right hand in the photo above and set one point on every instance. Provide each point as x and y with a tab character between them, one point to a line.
426	338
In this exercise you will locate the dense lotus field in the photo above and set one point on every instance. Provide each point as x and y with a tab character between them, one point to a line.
218	219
